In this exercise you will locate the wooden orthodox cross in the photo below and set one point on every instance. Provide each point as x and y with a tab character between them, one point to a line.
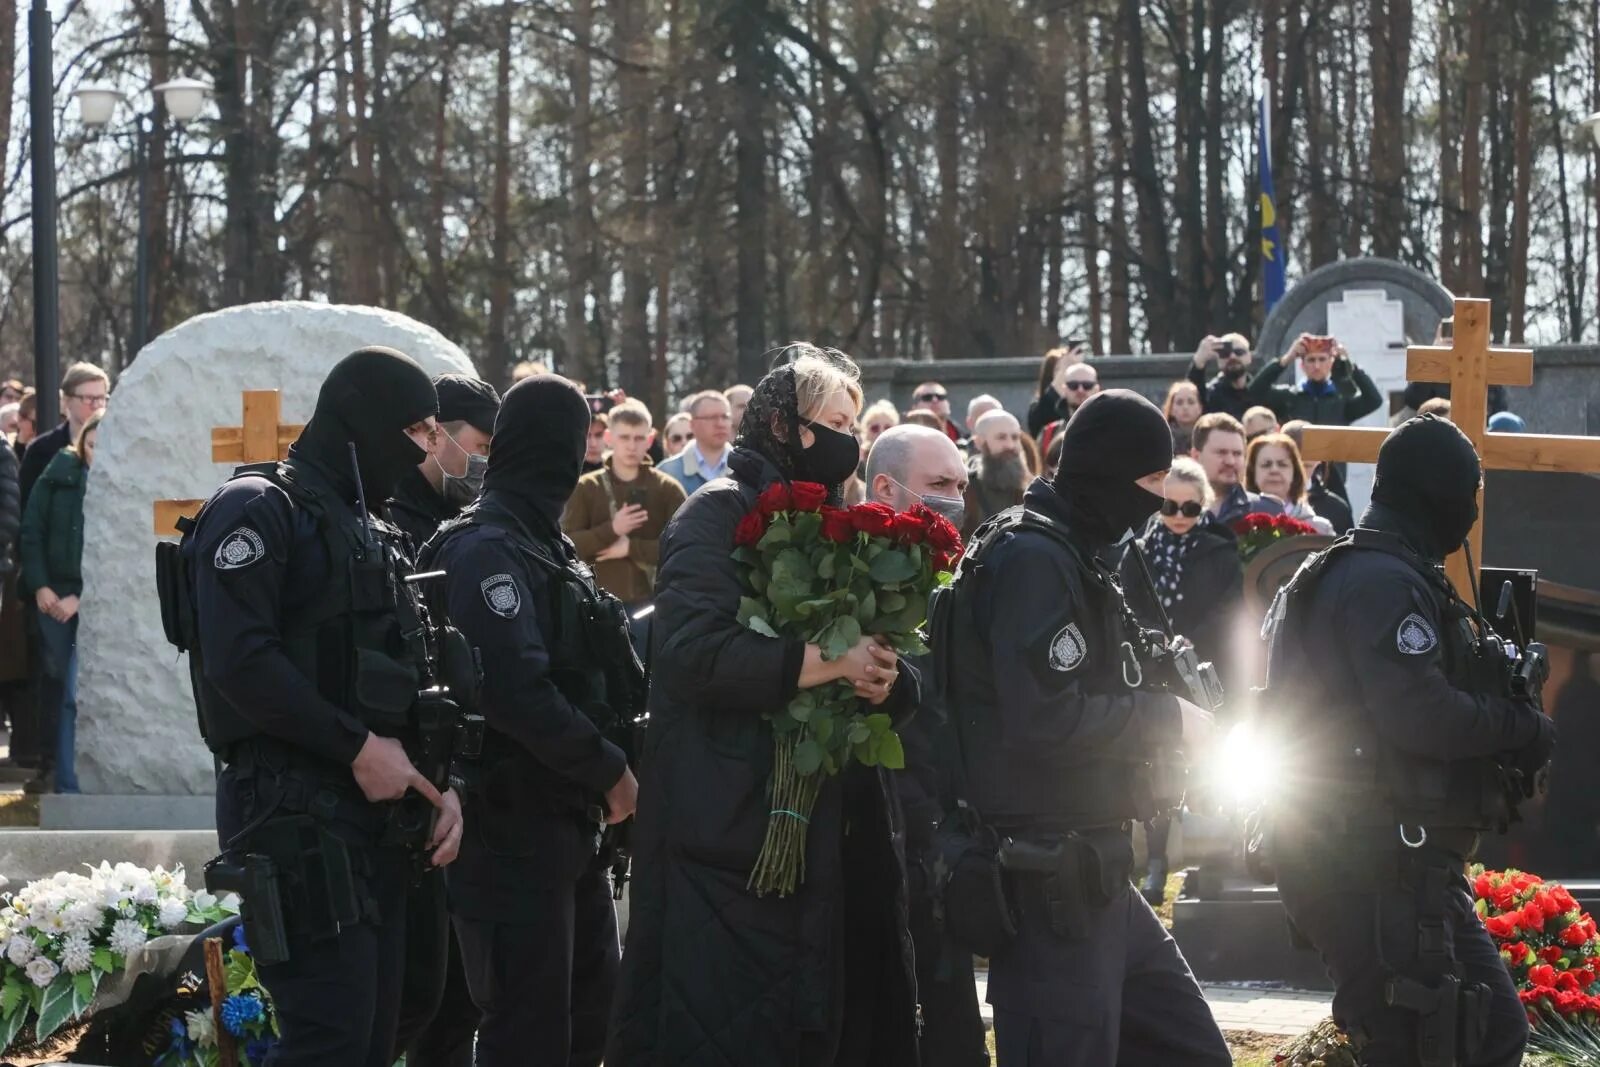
261	438
1470	366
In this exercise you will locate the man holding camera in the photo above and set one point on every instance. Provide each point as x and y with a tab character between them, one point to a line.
1057	748
1335	392
1403	736
299	613
1228	390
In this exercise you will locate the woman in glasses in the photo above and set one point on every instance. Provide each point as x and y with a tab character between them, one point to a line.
1194	562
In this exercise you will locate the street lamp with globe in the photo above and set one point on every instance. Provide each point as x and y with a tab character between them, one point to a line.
183	99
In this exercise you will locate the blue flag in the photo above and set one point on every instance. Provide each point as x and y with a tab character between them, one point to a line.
1273	254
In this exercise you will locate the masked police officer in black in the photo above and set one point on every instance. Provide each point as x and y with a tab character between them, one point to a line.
437	1016
303	685
1055	745
530	896
1400	743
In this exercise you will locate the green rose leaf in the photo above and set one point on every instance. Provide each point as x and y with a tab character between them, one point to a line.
822	726
761	626
840	637
890	752
749	607
859	733
743	554
867	752
779	533
808	608
860	564
891	603
55	1007
867	609
827	566
878	723
892	566
807	757
807	526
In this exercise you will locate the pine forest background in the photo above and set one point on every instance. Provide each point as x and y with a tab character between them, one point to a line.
650	193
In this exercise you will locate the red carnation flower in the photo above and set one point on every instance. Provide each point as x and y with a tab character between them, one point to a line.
1543	975
873	519
751	529
1568	981
774	498
1569	1002
836	525
808	496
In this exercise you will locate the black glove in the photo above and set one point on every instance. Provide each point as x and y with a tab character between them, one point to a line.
1532	761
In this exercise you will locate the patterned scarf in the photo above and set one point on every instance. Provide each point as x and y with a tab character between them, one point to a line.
1166	552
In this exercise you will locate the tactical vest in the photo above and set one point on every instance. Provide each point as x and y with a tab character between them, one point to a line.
1003	778
1337	765
592	661
347	639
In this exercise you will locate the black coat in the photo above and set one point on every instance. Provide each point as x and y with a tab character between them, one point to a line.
1209	608
712	975
10	507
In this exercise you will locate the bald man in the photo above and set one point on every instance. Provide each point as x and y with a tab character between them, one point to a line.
910	463
998	473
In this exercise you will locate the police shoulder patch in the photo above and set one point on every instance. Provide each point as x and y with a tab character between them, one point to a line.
239	549
1415	636
1068	648
501	594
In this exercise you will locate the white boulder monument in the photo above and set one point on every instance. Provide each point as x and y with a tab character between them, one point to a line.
140	757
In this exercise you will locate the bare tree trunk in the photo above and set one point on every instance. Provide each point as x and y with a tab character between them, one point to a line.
8	76
153	15
667	222
1089	151
633	93
438	285
1389	30
1215	284
1469	276
1449	152
381	132
1571	289
1155	261
363	262
1521	201
1120	306
947	298
581	363
497	354
750	57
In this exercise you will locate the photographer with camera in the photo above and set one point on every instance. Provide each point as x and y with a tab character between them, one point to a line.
1406	731
530	896
1335	392
289	596
1061	751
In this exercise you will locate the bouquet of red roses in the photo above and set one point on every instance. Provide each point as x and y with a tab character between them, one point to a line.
1549	945
828	576
1257	530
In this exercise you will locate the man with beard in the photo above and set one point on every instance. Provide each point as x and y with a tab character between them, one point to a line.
1228	390
437	1016
303	697
531	895
909	464
1401	744
1057	752
997	472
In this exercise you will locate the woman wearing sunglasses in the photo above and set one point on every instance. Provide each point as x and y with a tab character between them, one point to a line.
1194	560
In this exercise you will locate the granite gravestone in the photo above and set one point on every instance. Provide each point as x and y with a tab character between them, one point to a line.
139	751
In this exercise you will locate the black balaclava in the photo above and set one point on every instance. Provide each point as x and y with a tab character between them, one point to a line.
469	400
1116	438
1428	474
540	436
368	399
832	457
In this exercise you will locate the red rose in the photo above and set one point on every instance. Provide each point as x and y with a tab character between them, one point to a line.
943	561
1481	885
1550	905
1522	880
836	525
774	498
1550	954
909	530
1543	975
1501	926
808	496
1519	952
1563	898
1503	897
873	519
943	535
751	529
1531	917
1574	935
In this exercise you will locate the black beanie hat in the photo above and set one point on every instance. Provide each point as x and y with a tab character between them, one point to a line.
469	400
1115	438
1429	472
540	437
368	399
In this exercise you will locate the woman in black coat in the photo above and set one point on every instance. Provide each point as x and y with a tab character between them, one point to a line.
713	974
1195	563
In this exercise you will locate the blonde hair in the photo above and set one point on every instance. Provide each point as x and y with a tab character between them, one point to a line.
1174	389
632	412
818	374
1190	473
880	409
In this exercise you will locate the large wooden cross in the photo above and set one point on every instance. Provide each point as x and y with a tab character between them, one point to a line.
1470	366
261	438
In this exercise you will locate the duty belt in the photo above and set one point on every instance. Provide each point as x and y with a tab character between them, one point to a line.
297	790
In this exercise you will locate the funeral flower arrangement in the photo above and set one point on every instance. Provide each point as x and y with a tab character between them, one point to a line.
61	935
828	576
1258	530
246	1016
1550	946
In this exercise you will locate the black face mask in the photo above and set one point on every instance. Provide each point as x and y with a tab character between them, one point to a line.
832	457
368	400
539	440
1428	472
1116	438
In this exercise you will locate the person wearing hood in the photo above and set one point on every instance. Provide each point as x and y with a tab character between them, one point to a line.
451	477
713	972
1406	744
1056	746
303	684
437	1016
531	896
